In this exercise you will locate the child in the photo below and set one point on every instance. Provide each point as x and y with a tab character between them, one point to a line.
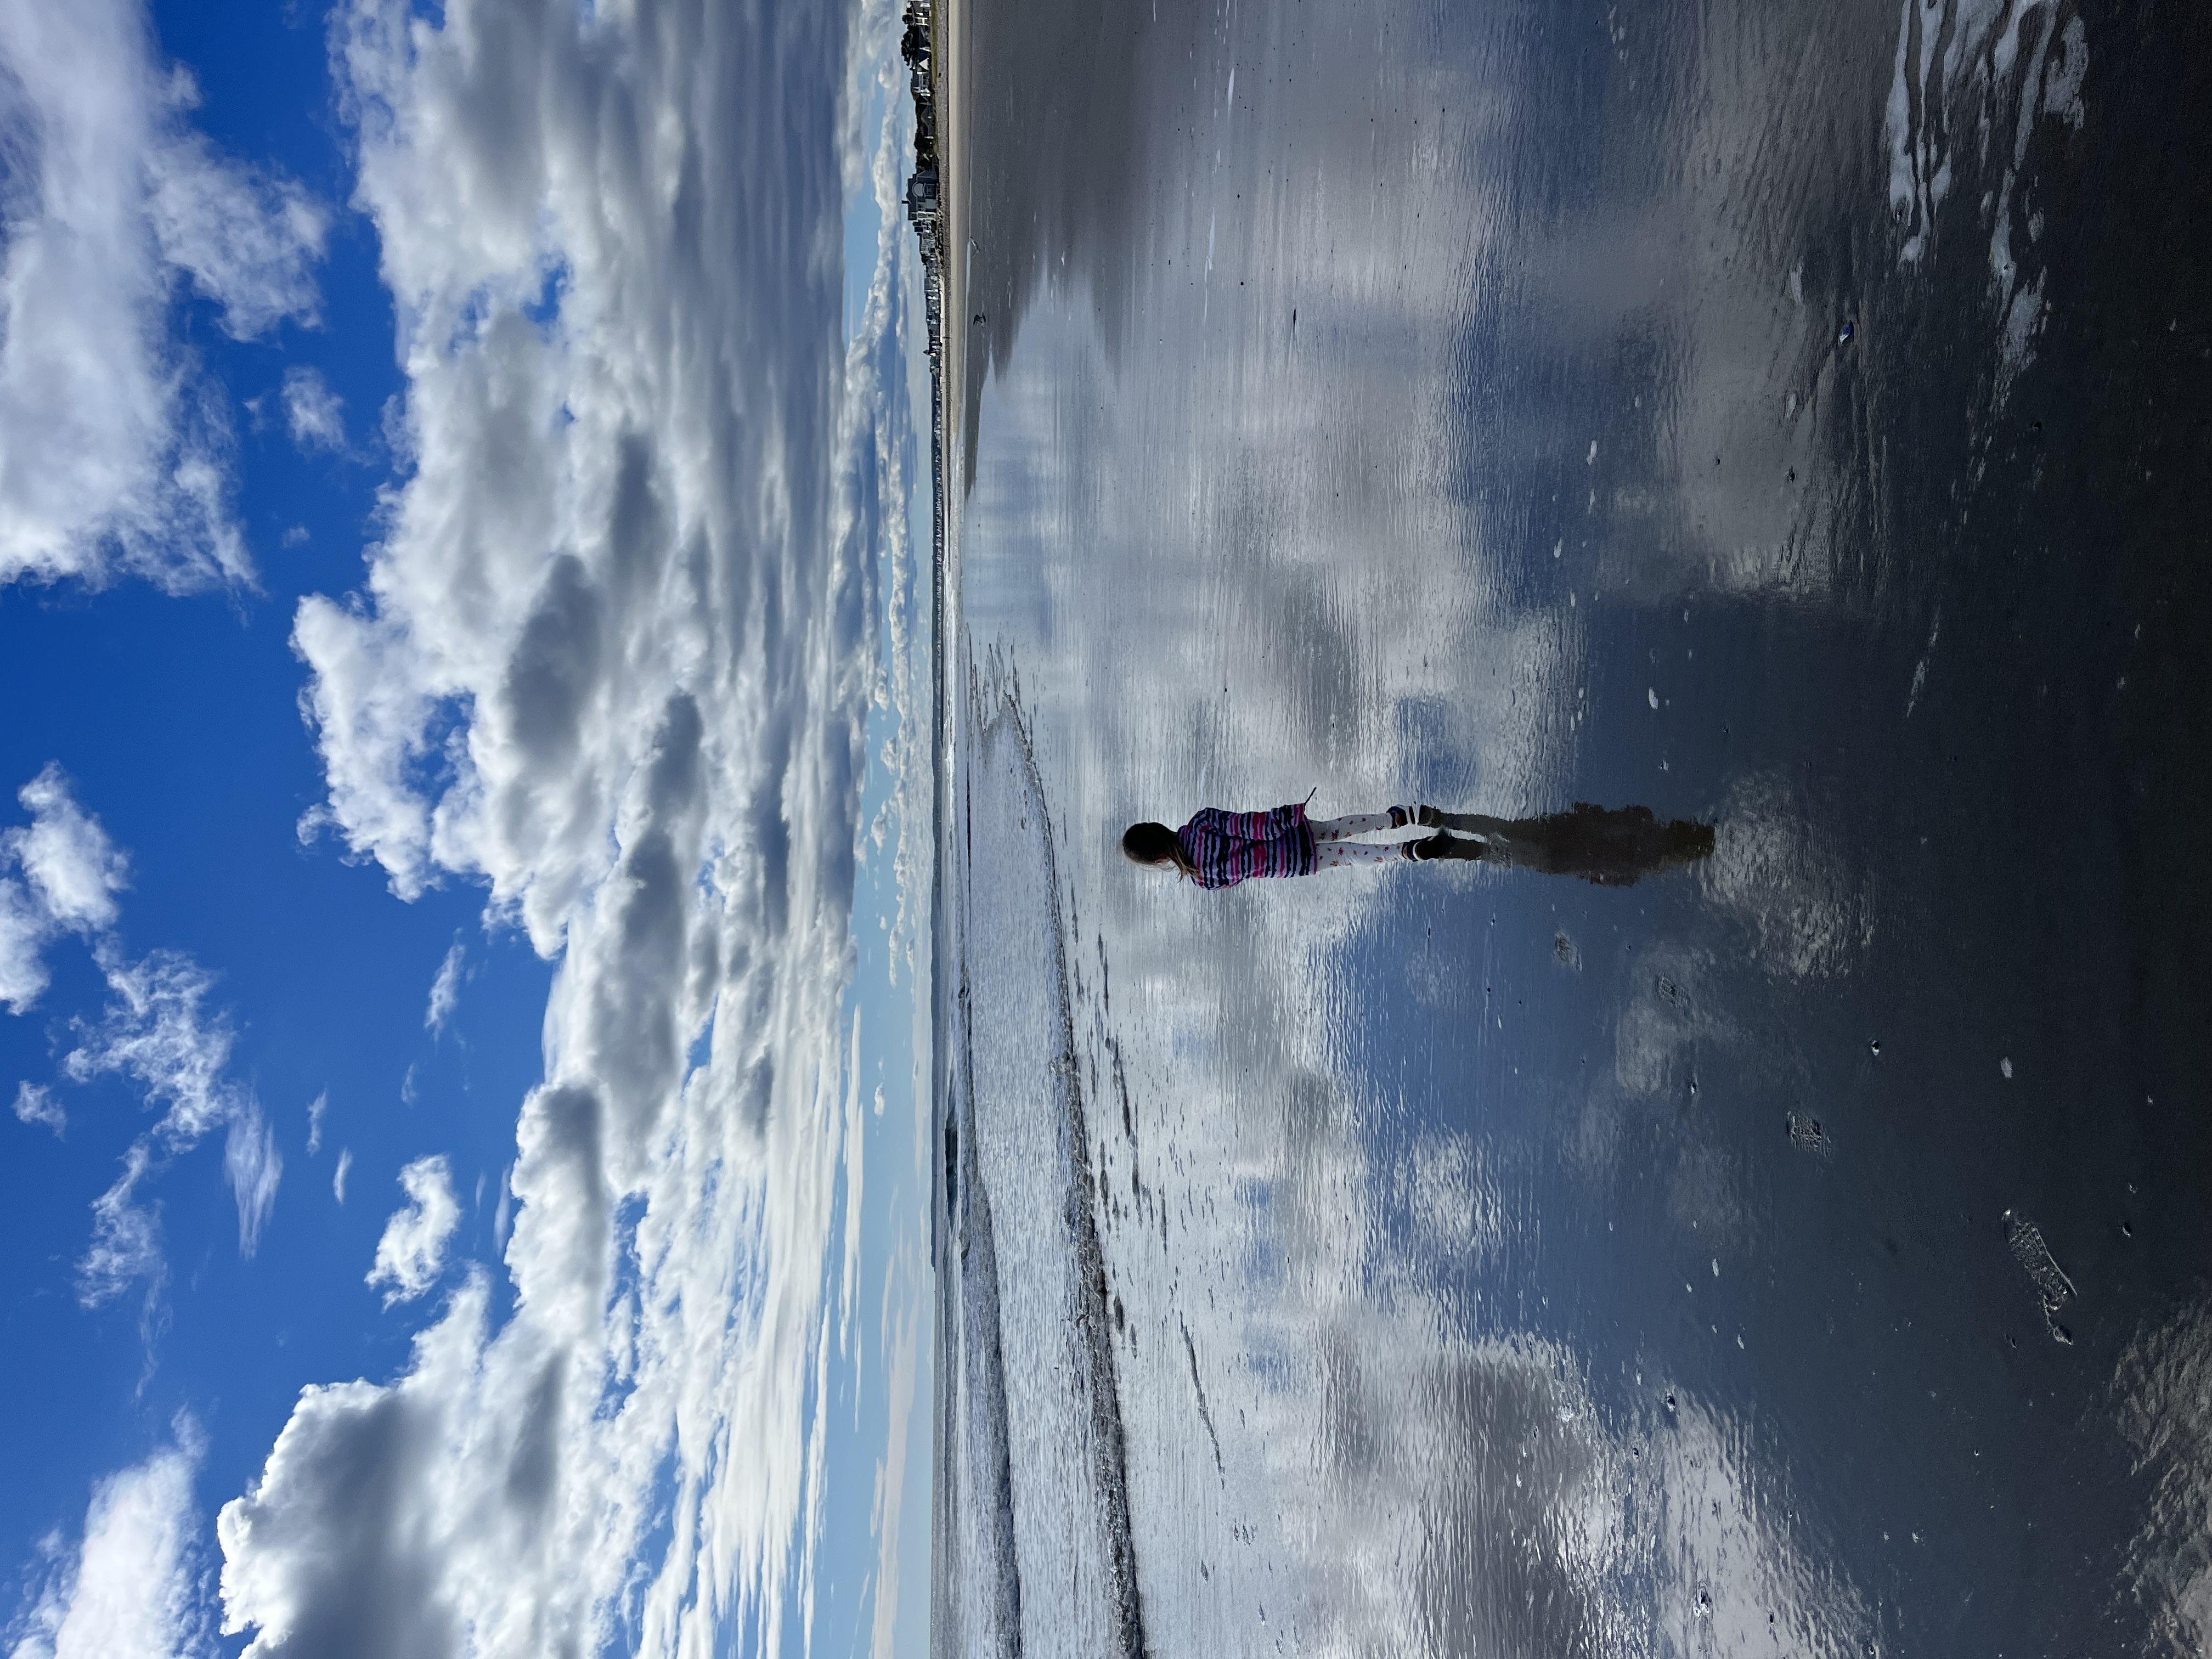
1219	849
1611	847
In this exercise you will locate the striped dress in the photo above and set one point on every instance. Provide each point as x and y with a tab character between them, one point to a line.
1226	848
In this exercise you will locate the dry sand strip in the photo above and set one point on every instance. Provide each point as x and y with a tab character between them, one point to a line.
950	65
948	69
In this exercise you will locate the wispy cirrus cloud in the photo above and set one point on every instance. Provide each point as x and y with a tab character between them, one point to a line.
158	1031
314	414
445	990
253	1166
59	877
248	239
35	1103
114	447
126	1238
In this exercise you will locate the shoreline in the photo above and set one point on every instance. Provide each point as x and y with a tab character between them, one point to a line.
933	210
936	208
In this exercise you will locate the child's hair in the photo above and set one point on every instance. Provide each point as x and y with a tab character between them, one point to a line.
1153	843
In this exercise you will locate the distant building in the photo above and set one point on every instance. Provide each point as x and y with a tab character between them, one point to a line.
921	195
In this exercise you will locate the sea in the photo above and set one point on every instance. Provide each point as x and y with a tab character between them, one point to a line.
1790	416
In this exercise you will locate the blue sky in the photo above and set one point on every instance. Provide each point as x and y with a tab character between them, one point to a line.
453	508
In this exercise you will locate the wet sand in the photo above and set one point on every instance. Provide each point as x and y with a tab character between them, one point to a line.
1802	1251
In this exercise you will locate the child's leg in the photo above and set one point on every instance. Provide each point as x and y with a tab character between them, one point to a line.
1335	854
1360	823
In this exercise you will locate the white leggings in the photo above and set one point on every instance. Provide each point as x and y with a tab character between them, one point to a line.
1333	850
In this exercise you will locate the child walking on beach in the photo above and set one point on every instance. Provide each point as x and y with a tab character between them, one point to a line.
1611	847
1219	849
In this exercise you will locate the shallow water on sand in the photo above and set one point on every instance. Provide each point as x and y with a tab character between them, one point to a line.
1792	417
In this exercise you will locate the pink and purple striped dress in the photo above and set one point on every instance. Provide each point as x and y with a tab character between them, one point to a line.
1227	848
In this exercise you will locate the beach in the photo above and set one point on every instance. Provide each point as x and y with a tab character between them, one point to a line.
1788	420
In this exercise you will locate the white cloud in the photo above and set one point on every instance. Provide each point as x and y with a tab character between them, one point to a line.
446	989
412	1251
339	1175
613	659
114	448
126	1238
317	1110
349	1541
131	1589
35	1103
155	1031
253	1166
22	944
71	873
315	413
71	866
249	239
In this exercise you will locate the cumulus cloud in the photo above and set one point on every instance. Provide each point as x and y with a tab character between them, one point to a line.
126	1238
348	1542
445	989
71	864
315	413
132	1586
114	447
71	873
612	659
412	1251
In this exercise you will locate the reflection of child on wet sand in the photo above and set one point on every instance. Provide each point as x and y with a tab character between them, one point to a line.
1614	847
